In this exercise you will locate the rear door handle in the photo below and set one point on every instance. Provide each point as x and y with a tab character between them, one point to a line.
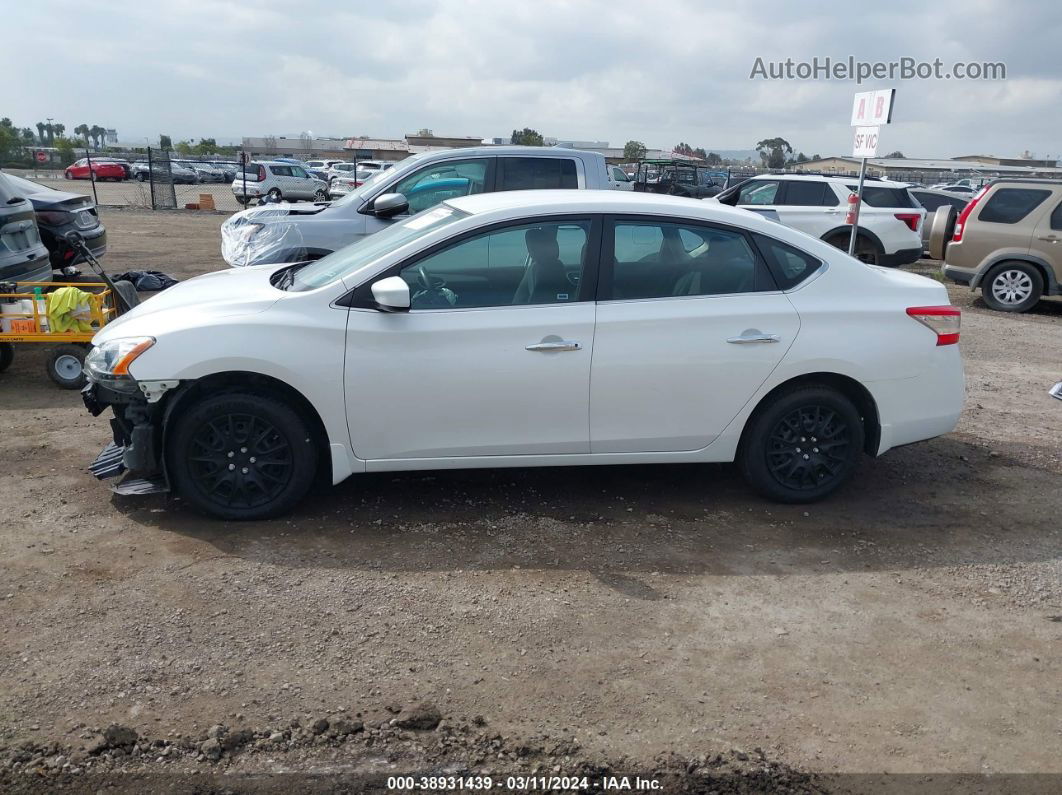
560	345
1050	238
749	338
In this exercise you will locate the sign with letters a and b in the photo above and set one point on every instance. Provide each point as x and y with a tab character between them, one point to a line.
865	142
872	108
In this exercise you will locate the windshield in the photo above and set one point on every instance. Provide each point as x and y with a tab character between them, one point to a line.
345	262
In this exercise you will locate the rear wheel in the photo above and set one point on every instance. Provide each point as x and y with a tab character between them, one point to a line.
7	355
320	195
275	194
1012	287
865	250
801	447
66	365
240	456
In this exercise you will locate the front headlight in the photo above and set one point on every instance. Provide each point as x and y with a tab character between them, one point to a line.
109	362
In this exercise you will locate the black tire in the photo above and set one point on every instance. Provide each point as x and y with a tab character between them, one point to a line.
128	293
243	200
811	424
1012	287
214	445
65	365
7	355
139	177
274	193
320	195
67	175
865	250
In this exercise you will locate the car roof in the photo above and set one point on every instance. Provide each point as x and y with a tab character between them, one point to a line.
829	178
541	202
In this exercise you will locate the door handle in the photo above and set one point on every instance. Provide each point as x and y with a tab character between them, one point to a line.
560	345
1049	238
749	338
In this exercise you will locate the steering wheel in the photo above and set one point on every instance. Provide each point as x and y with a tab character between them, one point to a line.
430	284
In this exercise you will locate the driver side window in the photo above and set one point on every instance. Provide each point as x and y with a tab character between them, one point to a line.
441	181
540	263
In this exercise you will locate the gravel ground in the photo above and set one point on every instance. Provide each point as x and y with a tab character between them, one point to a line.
910	624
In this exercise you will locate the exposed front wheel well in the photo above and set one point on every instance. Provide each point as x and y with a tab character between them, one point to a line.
849	387
256	383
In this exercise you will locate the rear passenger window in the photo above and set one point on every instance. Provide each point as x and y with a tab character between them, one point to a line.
789	265
800	193
1010	205
281	171
1056	217
661	260
537	173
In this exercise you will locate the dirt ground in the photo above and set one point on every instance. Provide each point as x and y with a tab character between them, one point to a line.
910	624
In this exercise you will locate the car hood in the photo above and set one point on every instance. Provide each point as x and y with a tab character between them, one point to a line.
221	294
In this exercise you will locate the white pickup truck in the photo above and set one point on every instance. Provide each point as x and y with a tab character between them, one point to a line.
296	232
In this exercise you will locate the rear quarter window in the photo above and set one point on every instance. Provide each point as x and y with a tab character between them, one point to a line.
1010	205
790	266
878	196
801	193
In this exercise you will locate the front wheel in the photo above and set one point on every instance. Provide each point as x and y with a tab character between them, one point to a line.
802	446
1012	287
320	195
66	364
275	194
240	456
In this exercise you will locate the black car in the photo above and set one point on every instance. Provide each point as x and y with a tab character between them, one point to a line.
58	213
23	257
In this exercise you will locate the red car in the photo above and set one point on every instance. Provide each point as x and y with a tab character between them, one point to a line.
102	169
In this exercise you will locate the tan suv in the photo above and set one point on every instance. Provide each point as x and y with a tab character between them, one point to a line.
1006	241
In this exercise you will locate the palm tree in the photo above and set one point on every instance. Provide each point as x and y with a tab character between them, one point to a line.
49	128
83	131
59	130
40	132
97	133
27	136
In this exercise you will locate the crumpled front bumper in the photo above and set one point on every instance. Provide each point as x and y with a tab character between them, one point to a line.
135	446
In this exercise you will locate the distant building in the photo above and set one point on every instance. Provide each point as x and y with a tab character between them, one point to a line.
992	160
910	169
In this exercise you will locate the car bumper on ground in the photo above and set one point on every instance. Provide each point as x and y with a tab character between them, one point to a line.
902	257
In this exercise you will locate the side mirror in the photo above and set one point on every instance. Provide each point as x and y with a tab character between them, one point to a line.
388	204
391	294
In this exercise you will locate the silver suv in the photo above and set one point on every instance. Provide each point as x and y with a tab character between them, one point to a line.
279	181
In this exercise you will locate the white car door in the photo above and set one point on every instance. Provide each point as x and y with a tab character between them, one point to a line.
812	206
493	357
689	325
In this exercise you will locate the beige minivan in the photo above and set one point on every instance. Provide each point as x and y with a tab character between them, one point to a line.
1007	241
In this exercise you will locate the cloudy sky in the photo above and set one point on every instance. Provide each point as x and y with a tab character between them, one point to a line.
661	72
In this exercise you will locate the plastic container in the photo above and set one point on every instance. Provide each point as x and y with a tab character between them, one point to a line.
11	310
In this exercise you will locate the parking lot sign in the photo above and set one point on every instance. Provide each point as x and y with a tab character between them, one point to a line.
872	107
865	142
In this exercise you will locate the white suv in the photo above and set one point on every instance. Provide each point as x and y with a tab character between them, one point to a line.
278	181
890	220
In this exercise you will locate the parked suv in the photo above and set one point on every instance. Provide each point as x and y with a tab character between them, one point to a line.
23	257
279	181
890	220
1007	241
288	234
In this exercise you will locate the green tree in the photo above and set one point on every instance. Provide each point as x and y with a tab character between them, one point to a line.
83	131
800	158
59	129
526	137
206	146
40	132
699	152
634	150
184	148
683	149
27	136
897	154
713	159
97	133
67	150
165	142
774	151
10	141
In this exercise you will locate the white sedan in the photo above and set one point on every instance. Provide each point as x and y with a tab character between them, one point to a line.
529	328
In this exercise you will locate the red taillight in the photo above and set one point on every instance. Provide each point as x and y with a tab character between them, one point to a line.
357	184
911	219
960	223
261	174
943	321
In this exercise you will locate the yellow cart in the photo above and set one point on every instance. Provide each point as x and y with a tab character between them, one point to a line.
66	360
